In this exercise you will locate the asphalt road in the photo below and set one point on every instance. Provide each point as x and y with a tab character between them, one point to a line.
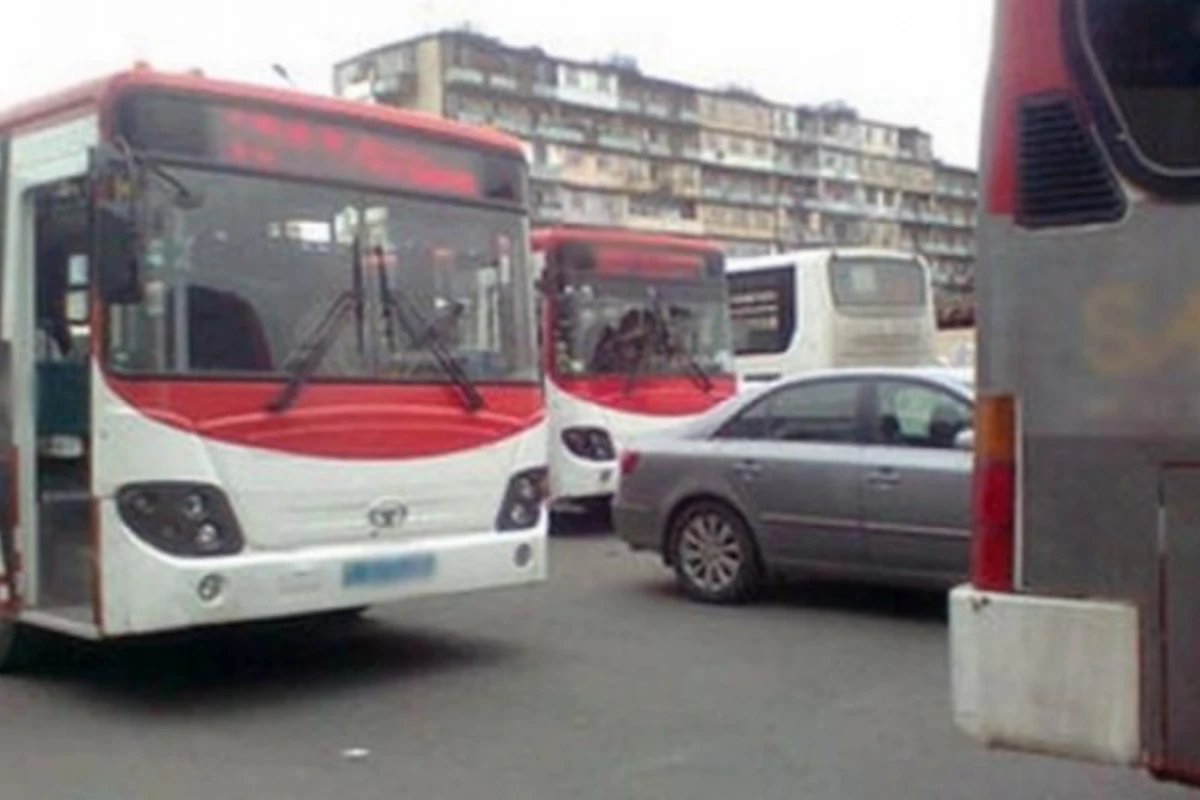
602	684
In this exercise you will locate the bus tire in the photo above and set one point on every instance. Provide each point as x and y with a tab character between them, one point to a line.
714	554
16	646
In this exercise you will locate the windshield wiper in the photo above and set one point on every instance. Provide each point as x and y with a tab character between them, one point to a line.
399	309
659	336
672	345
306	358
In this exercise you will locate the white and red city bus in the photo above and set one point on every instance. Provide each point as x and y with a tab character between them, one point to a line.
635	337
1078	634
264	354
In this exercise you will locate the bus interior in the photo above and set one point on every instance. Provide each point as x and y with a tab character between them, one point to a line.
62	342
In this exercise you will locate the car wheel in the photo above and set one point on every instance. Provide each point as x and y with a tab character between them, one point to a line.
714	555
16	646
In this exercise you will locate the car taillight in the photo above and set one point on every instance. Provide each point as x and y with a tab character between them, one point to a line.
994	535
629	461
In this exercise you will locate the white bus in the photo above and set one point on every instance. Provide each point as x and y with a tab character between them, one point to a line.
817	309
262	354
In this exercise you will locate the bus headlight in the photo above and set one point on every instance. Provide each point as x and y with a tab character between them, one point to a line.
183	519
522	506
594	444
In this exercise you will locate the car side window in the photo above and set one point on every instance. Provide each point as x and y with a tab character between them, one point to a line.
918	415
817	412
812	412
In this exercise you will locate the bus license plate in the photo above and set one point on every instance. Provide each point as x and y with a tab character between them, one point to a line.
383	571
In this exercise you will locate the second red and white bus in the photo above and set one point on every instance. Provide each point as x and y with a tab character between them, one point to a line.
635	337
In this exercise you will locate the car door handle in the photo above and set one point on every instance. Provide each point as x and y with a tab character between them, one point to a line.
748	469
884	477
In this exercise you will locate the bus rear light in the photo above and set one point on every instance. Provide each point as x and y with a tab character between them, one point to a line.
182	519
629	461
522	506
994	497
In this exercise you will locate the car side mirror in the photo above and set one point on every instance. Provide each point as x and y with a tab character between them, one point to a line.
965	440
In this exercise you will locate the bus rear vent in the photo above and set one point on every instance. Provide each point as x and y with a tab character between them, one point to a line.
1064	179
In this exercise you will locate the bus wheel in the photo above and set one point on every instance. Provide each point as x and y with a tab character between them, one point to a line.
16	646
714	555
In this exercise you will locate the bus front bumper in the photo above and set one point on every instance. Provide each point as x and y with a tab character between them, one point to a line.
145	591
574	479
1046	675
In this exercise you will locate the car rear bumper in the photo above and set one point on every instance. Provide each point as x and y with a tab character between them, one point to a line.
1046	675
637	525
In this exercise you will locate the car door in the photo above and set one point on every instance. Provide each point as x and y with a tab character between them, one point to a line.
794	459
917	481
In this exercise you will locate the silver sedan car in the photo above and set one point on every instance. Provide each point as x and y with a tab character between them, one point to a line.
862	474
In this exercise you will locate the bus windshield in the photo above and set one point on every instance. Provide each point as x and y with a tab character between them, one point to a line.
863	284
235	283
605	323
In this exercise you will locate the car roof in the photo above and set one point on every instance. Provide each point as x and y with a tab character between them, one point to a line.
957	378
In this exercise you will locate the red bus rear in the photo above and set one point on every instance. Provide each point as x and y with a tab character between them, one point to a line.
1077	634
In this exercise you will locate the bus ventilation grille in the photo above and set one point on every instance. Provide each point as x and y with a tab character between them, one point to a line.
1064	177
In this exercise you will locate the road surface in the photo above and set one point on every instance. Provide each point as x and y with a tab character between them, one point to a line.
602	684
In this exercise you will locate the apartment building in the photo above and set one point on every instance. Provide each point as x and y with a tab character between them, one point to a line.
610	145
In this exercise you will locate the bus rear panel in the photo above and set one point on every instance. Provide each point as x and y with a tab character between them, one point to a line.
820	309
1076	636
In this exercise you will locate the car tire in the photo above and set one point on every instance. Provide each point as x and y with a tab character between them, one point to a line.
16	646
714	554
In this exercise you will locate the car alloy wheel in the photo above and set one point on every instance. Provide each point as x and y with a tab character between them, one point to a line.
714	556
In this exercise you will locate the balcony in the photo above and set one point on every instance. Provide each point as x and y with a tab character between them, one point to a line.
630	106
692	153
545	172
756	163
472	118
464	75
516	126
658	110
551	212
399	85
548	90
689	115
619	142
560	133
504	83
658	148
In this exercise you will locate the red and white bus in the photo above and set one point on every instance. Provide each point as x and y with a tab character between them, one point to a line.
247	337
1079	634
635	337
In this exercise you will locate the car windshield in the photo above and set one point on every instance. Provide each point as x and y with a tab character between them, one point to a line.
236	283
606	326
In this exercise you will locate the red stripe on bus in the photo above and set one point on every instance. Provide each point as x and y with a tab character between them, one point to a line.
1029	58
348	421
672	396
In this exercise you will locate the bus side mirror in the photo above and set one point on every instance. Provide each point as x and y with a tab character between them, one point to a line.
965	440
114	247
114	231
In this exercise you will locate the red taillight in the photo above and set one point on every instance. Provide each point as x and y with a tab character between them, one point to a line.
629	461
994	495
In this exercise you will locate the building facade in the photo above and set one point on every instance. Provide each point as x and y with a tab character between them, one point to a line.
609	145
